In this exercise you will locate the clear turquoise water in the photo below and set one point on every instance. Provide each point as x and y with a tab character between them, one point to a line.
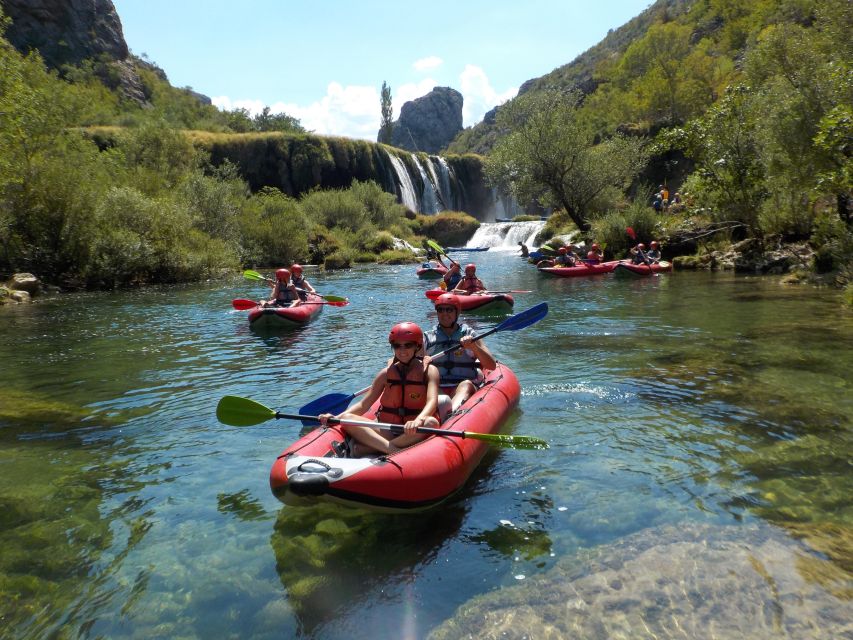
127	510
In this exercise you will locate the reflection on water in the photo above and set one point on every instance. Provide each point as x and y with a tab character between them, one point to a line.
692	418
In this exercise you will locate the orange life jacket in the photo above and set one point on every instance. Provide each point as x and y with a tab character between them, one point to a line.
405	393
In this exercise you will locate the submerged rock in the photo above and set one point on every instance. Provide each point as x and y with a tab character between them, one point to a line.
690	581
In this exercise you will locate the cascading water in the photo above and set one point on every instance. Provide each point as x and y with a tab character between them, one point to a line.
408	195
429	197
506	235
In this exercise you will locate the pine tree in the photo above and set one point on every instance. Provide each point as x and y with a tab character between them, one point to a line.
387	123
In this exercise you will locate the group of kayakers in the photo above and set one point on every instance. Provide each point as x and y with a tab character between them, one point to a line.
566	255
289	289
409	389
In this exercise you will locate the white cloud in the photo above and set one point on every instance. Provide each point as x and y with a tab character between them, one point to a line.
354	110
431	62
479	94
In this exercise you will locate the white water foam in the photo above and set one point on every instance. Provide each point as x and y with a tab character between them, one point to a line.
505	236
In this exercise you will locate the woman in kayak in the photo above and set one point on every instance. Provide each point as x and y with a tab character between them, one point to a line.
462	367
470	283
407	390
638	254
595	255
303	287
284	294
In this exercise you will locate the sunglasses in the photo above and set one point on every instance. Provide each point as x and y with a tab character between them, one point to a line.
445	309
404	345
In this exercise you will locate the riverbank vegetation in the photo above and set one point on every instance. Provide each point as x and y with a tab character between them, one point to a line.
140	199
744	108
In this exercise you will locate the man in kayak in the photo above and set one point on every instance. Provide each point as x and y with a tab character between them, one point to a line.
452	277
284	294
653	254
470	283
303	287
462	367
407	390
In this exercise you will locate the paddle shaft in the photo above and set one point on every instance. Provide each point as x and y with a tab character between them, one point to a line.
396	428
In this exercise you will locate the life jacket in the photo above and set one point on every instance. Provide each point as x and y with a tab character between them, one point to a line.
457	365
299	283
284	295
405	393
592	255
472	284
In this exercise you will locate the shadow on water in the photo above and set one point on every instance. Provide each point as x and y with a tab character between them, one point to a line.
331	558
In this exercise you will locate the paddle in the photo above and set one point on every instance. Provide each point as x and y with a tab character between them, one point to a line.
242	412
242	304
439	248
331	402
520	320
254	275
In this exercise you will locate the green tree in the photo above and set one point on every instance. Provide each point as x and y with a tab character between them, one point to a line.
387	124
267	121
549	154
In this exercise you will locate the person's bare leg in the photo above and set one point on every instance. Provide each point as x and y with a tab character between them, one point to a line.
464	390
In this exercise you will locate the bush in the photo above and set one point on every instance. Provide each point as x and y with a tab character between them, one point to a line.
447	228
273	230
397	256
611	229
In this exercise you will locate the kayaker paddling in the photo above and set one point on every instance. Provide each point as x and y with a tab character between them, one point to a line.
470	283
463	367
303	287
284	294
408	393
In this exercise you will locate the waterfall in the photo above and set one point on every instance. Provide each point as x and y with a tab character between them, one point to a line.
506	235
408	195
429	199
446	180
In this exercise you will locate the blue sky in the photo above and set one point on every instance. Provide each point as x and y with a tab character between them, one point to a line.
324	61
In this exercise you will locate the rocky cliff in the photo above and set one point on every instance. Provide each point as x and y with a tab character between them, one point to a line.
66	31
430	122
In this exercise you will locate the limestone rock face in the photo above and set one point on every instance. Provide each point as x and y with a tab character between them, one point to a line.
430	122
66	31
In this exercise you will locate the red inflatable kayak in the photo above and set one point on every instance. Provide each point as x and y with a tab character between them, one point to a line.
630	269
482	302
431	272
584	269
285	317
418	477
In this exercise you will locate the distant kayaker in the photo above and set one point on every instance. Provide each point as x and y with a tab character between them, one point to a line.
464	366
525	252
595	255
284	294
408	393
470	283
452	277
303	287
566	257
653	254
638	254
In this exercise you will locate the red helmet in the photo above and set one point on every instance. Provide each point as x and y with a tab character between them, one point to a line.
296	268
641	246
406	332
470	268
654	243
282	274
595	246
449	299
563	250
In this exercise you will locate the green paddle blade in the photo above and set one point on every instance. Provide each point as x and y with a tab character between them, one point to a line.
515	442
252	275
334	298
436	246
242	412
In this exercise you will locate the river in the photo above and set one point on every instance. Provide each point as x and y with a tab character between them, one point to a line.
690	416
